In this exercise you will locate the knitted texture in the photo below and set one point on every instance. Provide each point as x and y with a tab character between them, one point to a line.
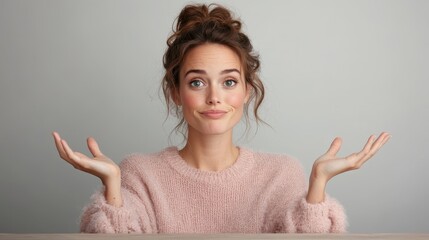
260	193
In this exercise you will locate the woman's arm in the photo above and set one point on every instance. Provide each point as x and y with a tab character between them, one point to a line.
329	165
100	166
115	209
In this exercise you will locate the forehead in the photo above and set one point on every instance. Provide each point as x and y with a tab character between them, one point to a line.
211	56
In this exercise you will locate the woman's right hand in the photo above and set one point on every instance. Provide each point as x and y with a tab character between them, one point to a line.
99	166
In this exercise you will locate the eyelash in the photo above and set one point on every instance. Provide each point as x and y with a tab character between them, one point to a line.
194	81
191	83
232	80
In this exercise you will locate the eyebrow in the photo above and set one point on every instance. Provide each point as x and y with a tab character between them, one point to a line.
200	71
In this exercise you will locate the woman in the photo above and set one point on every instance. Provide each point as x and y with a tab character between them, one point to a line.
211	185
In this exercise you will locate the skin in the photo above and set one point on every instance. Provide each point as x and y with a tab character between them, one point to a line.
212	94
211	79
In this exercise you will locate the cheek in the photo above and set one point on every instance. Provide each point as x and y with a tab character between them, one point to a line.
190	101
236	100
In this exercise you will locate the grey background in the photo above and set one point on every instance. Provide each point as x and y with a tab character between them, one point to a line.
331	68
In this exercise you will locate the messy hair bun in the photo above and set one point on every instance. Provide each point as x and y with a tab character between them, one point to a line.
199	24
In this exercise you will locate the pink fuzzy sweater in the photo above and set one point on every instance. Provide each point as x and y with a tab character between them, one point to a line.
260	193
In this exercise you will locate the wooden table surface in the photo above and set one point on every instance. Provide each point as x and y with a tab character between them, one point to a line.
78	236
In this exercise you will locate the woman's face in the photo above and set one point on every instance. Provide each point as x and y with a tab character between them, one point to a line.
212	89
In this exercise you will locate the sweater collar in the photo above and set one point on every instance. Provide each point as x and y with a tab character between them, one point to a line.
241	167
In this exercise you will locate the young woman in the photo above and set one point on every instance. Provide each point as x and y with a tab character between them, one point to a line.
211	185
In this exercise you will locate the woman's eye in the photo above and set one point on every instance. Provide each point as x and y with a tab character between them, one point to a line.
230	83
196	83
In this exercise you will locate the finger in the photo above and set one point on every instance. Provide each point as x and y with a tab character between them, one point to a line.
93	147
73	158
366	154
58	145
65	156
357	159
368	145
379	142
335	147
386	139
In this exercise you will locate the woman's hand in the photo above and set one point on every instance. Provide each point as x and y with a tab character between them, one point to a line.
329	165
99	166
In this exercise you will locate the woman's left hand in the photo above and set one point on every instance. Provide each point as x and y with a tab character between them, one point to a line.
329	165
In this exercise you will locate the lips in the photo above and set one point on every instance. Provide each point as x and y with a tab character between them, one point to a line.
213	114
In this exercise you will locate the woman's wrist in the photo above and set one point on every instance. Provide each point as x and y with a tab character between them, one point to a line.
316	190
112	191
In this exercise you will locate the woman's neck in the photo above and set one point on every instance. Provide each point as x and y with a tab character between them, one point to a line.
209	152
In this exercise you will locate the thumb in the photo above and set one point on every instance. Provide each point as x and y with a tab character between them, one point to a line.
335	147
93	147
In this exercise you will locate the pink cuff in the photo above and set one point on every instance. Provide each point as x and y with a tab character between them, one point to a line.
324	217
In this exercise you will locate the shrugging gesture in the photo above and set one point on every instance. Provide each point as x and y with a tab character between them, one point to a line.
329	164
99	165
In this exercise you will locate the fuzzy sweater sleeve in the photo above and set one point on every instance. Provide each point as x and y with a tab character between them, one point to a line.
303	217
324	217
132	217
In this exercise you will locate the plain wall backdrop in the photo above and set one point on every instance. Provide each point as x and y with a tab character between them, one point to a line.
331	68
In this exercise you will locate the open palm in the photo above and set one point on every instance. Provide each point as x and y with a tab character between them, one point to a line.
99	165
329	164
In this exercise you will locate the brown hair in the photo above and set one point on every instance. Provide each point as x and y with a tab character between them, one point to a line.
199	24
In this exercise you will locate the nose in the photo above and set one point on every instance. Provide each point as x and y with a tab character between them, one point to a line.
213	97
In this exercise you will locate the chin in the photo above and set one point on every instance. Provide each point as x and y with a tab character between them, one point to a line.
211	129
215	131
